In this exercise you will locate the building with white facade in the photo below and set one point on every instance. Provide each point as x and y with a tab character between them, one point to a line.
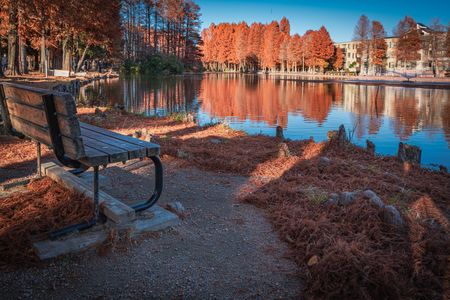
423	66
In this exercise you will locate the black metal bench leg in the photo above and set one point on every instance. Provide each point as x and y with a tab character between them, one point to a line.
96	201
84	225
38	152
158	186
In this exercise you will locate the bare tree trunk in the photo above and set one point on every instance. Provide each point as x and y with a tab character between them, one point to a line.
81	61
13	39
23	57
67	56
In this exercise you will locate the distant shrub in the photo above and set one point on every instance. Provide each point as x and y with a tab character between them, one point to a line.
154	65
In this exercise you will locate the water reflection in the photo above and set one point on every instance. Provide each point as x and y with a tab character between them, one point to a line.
384	114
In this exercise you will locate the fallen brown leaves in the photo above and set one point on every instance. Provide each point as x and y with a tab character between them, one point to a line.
45	206
346	252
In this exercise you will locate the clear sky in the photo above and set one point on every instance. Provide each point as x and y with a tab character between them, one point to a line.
338	16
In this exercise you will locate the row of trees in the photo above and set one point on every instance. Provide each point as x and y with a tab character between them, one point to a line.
62	34
168	27
372	46
57	32
269	47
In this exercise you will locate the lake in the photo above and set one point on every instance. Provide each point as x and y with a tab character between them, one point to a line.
256	104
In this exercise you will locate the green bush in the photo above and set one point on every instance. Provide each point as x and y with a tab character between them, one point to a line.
154	65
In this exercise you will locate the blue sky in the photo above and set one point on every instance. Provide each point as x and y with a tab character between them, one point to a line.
339	17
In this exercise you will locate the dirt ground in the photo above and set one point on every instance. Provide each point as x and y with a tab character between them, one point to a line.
222	249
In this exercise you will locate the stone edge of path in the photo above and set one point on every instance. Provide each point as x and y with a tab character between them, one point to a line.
120	216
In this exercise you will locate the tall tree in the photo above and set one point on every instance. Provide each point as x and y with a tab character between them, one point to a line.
409	44
321	49
13	38
378	46
361	35
434	44
338	61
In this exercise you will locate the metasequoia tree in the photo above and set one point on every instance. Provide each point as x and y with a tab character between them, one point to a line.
435	43
338	61
378	46
62	28
361	35
169	27
409	44
447	41
320	49
269	47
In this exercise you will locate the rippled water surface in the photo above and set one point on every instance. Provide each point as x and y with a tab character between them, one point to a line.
386	114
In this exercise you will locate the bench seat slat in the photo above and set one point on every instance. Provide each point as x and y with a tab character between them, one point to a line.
114	154
134	151
151	149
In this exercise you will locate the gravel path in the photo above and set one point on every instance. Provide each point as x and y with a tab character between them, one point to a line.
222	250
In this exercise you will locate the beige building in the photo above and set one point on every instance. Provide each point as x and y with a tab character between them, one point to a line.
423	66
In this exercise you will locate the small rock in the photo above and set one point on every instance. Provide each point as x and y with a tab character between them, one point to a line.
283	150
137	134
392	215
323	163
99	112
182	154
147	137
314	260
345	198
176	207
377	201
331	201
215	141
373	198
332	134
369	194
334	196
443	169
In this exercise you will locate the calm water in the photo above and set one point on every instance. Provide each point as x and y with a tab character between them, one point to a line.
385	115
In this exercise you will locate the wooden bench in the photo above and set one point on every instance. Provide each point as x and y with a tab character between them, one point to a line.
49	118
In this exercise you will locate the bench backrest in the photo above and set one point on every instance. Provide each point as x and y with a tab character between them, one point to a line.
27	114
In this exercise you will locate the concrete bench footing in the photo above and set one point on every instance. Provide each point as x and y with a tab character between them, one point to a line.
119	216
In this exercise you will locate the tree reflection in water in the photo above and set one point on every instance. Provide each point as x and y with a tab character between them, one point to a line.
385	114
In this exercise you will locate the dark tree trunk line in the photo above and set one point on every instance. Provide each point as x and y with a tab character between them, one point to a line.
13	39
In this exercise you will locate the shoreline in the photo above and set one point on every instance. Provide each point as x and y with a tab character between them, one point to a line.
422	82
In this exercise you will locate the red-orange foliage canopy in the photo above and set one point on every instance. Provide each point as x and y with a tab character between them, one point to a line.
238	47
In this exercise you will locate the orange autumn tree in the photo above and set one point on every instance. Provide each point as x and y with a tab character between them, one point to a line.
338	61
268	47
409	44
295	52
378	46
320	49
271	46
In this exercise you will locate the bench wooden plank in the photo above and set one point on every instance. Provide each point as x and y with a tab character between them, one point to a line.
71	146
134	151
114	154
94	157
151	149
68	125
64	102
